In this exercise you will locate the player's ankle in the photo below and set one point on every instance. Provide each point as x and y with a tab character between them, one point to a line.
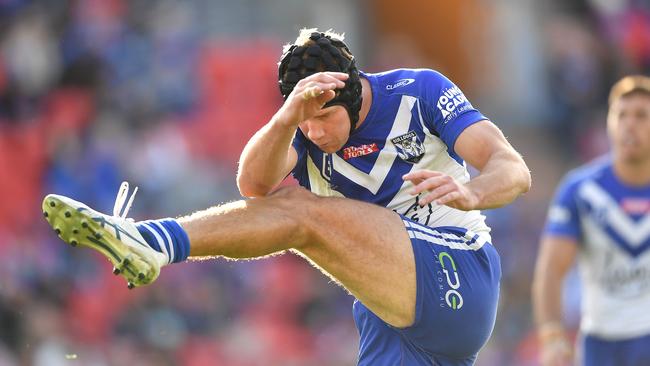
167	237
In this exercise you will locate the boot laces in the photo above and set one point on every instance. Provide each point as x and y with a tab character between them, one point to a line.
122	205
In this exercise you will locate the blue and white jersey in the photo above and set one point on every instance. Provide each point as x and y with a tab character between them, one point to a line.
611	223
414	121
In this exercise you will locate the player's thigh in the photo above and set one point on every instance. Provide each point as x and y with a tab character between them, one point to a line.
363	246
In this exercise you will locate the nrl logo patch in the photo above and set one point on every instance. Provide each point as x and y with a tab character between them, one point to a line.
409	147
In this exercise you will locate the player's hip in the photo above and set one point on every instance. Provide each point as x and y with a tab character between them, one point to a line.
458	289
458	274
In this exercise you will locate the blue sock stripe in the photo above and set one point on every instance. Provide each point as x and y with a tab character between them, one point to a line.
160	243
168	240
162	237
166	236
180	239
148	236
159	238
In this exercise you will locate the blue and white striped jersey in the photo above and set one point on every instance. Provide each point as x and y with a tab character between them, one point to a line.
611	223
414	120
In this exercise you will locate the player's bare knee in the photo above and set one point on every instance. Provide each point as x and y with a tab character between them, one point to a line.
298	199
292	193
303	208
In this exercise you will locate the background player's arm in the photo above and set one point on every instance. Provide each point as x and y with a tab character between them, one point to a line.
556	256
503	173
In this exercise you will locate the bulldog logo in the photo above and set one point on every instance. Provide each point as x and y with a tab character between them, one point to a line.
409	147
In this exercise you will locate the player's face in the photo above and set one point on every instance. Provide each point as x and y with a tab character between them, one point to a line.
628	123
329	129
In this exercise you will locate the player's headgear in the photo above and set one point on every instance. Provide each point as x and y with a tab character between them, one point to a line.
325	53
628	85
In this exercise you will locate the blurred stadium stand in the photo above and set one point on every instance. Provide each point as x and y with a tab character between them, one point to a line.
166	93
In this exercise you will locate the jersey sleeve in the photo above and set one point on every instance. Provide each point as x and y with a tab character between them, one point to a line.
447	111
563	219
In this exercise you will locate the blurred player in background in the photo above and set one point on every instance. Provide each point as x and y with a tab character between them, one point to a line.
601	216
423	271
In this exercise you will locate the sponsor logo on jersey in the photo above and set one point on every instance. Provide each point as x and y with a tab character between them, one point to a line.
621	276
400	83
636	206
409	147
451	102
356	151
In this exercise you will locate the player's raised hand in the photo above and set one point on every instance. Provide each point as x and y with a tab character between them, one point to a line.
442	190
310	95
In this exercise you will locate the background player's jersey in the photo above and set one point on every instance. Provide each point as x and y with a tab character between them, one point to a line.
413	123
611	221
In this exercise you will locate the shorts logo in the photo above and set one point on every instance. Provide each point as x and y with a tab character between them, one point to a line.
409	147
400	83
452	297
356	151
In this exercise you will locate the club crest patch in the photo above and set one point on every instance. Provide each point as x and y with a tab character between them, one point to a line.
409	147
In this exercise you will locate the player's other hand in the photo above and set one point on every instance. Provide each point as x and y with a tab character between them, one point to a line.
309	96
556	352
555	349
442	190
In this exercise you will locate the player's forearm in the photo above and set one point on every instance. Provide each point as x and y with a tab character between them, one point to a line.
264	161
554	260
504	178
547	299
547	308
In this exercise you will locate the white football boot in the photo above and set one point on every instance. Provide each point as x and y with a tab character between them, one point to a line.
116	237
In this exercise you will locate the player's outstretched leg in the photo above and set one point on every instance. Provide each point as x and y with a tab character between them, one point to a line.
362	246
119	239
446	307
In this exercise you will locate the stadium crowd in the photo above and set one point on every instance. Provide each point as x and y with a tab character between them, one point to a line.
94	92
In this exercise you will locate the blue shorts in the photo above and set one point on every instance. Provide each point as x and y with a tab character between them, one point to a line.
458	276
628	352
